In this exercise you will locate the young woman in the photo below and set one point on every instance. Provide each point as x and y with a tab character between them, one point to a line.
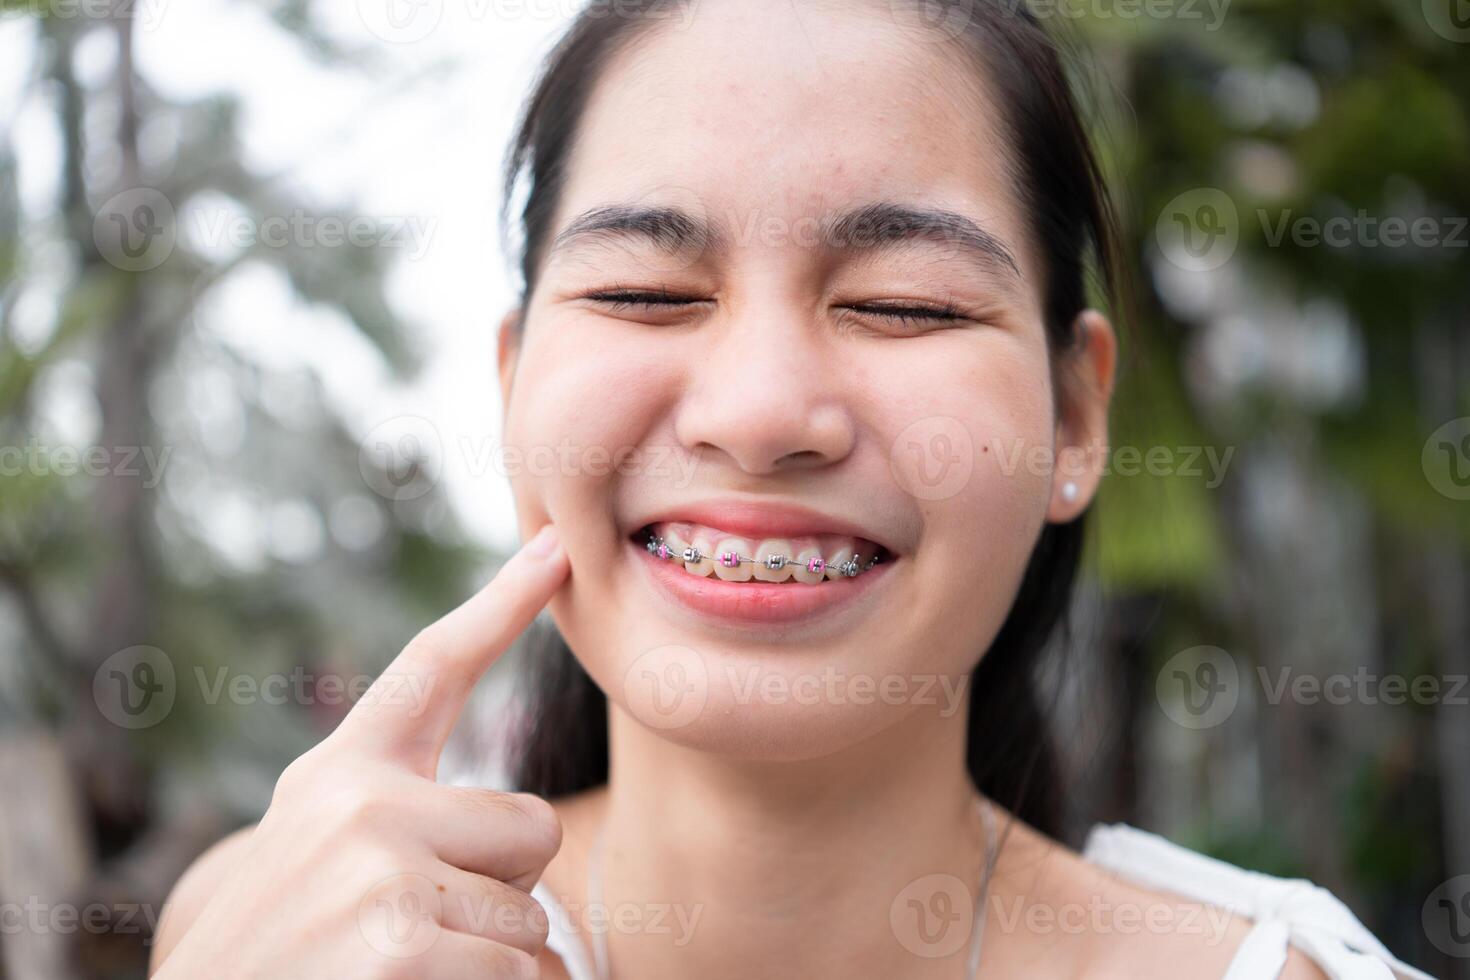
805	331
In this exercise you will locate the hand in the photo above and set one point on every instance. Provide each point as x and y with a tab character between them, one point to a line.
364	866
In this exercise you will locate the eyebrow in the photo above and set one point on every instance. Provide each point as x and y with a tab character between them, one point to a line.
883	225
887	225
668	229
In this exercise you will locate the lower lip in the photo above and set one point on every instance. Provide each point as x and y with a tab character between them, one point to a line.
753	602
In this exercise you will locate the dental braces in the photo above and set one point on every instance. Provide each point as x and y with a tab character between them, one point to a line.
659	549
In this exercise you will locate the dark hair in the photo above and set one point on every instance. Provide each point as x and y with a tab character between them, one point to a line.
1010	752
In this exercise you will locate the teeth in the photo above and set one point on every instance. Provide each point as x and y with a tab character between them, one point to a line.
835	560
677	538
767	548
834	550
803	558
739	572
705	567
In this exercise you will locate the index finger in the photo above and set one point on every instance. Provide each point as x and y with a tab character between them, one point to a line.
411	708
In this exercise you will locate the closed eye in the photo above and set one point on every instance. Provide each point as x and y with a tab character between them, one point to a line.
909	314
621	299
904	314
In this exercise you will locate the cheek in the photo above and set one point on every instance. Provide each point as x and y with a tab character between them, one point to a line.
577	422
581	427
973	447
1002	504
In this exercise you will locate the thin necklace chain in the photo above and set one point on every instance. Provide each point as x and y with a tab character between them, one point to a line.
596	859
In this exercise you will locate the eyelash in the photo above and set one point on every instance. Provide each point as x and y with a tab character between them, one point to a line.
619	299
909	316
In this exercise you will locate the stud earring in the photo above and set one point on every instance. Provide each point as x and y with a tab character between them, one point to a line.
1069	491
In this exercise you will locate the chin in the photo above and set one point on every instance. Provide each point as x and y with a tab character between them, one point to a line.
760	732
769	702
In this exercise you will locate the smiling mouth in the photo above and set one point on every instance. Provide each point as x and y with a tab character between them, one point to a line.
704	552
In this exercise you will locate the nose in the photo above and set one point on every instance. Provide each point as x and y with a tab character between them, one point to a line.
767	394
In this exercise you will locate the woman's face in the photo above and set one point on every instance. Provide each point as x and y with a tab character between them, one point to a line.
788	304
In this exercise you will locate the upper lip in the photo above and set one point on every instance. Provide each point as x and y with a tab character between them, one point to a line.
765	519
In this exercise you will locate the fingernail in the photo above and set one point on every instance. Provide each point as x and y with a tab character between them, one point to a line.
544	543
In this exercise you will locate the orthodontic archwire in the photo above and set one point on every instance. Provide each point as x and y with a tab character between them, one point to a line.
729	559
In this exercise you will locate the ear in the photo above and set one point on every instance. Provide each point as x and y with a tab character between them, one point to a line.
508	350
1081	437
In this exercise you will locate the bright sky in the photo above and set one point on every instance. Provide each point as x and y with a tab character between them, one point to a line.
425	154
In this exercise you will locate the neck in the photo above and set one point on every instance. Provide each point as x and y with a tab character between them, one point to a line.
795	865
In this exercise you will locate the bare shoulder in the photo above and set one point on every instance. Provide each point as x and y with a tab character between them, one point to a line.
193	891
1300	967
1147	933
1176	930
1092	922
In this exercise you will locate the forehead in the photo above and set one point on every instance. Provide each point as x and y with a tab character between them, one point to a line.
769	109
